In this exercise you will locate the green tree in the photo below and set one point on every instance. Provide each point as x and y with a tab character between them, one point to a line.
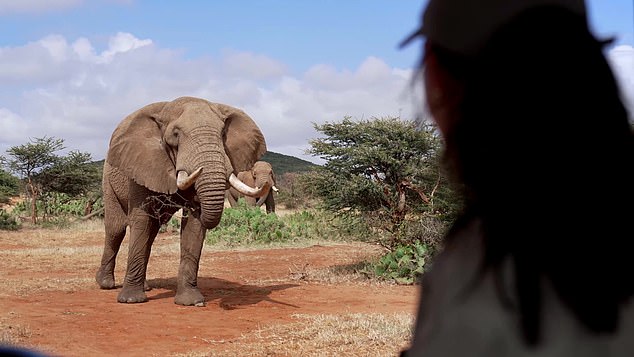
73	174
27	160
9	186
385	168
44	171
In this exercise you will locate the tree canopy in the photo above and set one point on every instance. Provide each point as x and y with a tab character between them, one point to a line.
43	170
385	167
384	162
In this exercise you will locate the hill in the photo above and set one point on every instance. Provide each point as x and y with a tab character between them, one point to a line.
284	163
281	163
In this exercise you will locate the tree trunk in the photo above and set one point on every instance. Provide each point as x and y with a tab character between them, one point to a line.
88	207
33	203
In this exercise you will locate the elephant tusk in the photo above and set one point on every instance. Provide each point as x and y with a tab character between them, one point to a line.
247	190
275	189
185	181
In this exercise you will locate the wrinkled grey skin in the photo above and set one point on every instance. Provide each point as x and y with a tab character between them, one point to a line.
146	151
260	174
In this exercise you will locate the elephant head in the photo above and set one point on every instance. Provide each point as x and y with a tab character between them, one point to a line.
260	175
185	144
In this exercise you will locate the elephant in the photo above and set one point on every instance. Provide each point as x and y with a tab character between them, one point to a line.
260	175
163	157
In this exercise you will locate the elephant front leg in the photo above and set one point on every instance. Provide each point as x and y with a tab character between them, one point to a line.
143	230
192	238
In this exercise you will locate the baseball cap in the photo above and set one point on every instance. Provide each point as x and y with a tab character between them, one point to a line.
464	26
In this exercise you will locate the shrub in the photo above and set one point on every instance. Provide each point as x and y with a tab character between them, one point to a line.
405	264
58	207
246	225
8	222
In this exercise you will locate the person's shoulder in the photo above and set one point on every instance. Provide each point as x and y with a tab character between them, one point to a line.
460	259
15	351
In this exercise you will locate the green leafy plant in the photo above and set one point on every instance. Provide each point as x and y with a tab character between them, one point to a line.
405	264
246	225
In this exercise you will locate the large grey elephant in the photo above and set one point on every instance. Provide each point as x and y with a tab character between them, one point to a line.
162	157
260	175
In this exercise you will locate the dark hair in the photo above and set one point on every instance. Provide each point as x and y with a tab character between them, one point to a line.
544	150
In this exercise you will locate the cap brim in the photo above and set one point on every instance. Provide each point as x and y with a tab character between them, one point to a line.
414	35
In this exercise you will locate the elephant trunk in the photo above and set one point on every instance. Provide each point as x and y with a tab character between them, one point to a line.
210	188
262	198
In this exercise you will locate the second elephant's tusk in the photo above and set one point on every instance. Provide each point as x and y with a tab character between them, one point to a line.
185	181
275	189
247	190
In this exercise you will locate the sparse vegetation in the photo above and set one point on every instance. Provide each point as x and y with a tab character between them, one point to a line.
9	186
7	221
245	225
386	174
358	334
44	172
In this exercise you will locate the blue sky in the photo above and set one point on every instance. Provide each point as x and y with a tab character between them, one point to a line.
73	69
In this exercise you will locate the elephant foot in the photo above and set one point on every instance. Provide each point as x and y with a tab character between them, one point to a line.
105	279
189	297
146	286
132	295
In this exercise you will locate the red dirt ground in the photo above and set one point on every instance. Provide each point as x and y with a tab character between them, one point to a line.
47	290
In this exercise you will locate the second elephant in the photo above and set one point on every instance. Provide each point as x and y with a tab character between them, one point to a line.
260	175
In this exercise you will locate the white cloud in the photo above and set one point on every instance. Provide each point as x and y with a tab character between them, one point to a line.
122	42
35	6
66	88
13	129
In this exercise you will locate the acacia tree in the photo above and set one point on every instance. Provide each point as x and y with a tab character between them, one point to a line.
43	170
385	167
72	174
27	160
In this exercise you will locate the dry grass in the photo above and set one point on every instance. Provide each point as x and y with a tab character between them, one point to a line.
35	253
321	335
354	273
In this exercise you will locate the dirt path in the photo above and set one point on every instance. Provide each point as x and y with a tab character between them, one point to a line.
48	298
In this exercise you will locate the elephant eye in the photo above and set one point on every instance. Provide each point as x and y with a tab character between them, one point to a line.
172	137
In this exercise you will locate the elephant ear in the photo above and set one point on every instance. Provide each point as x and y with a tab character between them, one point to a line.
137	150
244	142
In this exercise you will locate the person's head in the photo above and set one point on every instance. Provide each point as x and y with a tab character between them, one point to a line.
533	122
501	74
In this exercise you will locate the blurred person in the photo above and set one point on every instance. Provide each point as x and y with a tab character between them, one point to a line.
538	142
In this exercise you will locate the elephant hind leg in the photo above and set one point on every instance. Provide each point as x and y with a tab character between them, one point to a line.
115	228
